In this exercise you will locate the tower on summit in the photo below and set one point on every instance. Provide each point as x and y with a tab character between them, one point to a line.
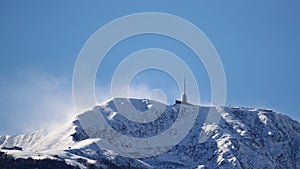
184	96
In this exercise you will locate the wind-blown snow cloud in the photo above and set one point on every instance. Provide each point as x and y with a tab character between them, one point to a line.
34	100
141	91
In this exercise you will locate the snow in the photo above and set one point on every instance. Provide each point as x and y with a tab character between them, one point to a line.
244	138
149	106
112	115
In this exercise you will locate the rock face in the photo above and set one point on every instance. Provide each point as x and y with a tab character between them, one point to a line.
243	138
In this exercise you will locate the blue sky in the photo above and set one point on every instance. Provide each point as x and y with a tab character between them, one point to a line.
258	44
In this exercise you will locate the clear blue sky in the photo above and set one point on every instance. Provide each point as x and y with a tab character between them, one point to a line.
257	41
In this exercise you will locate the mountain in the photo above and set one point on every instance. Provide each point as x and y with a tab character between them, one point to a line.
242	138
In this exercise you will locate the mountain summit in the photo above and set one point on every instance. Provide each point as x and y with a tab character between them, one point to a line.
243	138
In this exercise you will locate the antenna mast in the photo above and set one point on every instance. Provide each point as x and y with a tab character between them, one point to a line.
184	96
184	85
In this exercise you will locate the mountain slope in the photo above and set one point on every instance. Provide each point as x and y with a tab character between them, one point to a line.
244	138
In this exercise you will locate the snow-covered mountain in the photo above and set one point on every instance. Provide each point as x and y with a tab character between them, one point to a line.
243	138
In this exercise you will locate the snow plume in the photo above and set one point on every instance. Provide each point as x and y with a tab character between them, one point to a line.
34	100
142	91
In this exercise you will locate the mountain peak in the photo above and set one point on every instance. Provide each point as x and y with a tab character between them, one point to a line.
242	138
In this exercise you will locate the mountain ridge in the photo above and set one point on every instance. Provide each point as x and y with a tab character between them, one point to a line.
243	138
